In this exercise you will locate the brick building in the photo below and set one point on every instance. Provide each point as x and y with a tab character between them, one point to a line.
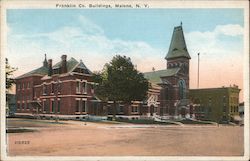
173	82
216	104
65	88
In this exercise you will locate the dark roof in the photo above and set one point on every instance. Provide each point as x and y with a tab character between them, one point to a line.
178	46
71	63
155	76
39	71
81	65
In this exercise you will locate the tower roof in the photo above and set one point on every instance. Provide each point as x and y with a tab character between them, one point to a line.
178	46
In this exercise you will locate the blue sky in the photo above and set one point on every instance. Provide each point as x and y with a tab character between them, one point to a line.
151	25
96	35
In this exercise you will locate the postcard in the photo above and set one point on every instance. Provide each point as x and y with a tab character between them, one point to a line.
125	80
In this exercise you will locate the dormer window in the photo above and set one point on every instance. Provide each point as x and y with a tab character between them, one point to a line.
56	71
174	49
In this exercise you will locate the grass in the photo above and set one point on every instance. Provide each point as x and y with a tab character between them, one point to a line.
140	121
187	121
31	123
18	130
44	122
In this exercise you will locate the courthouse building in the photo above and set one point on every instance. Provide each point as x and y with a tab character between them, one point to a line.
65	88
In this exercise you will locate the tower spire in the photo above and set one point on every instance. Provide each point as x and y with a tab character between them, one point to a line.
45	62
177	46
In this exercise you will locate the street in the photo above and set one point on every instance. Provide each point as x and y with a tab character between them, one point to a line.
74	138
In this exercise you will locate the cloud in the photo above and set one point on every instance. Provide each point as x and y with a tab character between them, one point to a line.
230	30
210	42
220	59
89	27
221	56
86	41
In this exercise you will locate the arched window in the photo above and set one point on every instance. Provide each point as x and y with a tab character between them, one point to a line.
182	89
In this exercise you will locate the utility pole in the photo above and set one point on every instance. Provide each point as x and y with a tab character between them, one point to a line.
198	77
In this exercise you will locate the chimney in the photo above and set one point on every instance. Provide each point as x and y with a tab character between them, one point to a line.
64	64
50	67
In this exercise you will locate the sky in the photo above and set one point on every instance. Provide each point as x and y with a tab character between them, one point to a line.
96	35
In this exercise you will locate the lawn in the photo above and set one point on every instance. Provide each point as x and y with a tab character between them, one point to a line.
188	121
140	121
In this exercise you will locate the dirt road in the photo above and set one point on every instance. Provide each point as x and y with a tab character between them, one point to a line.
98	139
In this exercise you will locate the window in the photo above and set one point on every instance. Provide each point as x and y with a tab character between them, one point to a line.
209	109
58	105
77	106
78	84
44	89
56	71
162	93
155	109
224	108
44	105
91	87
52	87
210	100
120	108
53	106
18	106
210	105
28	105
110	109
84	87
202	109
18	87
47	106
28	85
224	100
59	87
134	108
84	105
166	94
182	89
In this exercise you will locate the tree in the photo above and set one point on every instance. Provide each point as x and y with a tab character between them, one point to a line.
8	75
9	81
119	81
